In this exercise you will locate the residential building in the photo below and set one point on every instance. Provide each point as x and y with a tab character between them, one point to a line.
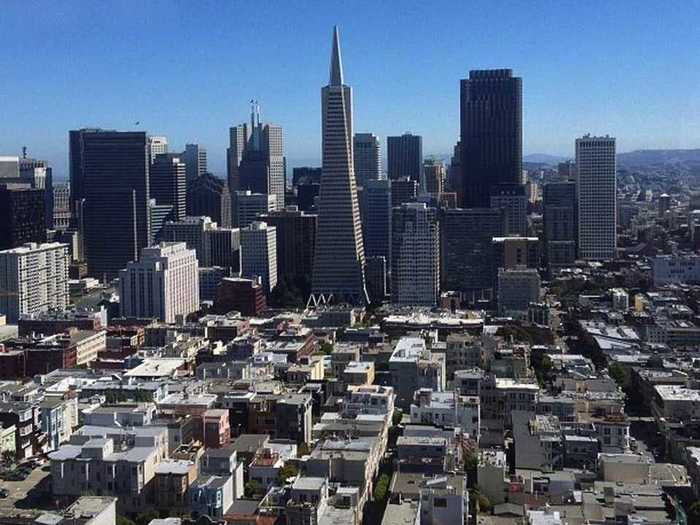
338	274
33	279
405	157
415	250
447	409
412	366
259	254
163	284
490	134
596	189
367	158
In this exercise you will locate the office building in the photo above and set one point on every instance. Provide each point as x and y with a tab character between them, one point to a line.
339	261
246	296
415	251
168	182
405	157
249	206
307	196
376	272
21	215
467	249
516	252
109	174
33	279
403	190
596	188
209	196
209	282
559	216
490	134
39	176
213	245
158	215
516	289
163	284
9	168
296	241
367	158
511	198
195	158
306	175
434	174
157	146
61	207
376	208
259	254
566	171
256	157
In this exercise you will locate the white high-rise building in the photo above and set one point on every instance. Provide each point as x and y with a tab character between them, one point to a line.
259	253
33	279
156	146
415	253
163	283
367	158
596	192
249	205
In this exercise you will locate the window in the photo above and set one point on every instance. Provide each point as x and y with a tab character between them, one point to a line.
440	502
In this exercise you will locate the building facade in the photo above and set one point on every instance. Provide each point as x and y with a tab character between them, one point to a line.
209	196
259	254
168	182
405	157
367	157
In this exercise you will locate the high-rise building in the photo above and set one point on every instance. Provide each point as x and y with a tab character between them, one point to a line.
33	279
516	252
559	203
157	146
403	190
434	173
339	261
61	207
467	249
516	289
209	196
415	254
376	271
490	133
195	157
21	215
567	170
39	176
454	173
259	254
158	215
168	182
511	198
162	284
256	157
305	175
596	187
376	218
213	245
9	168
367	158
296	240
109	172
250	205
246	296
405	157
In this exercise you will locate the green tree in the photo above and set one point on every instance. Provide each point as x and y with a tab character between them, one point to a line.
8	457
123	520
694	513
617	374
381	489
252	489
289	470
325	347
397	417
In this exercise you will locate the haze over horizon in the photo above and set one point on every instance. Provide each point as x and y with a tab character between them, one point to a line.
188	71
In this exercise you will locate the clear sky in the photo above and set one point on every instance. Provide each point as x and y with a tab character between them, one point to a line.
187	69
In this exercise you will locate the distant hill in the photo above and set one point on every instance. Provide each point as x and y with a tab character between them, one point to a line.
543	158
645	157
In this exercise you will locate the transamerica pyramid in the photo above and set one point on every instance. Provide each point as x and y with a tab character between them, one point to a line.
338	271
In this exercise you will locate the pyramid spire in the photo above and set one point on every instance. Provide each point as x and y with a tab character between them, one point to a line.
336	63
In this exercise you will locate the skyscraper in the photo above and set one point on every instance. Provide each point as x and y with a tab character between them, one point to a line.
376	219
195	157
256	157
559	203
250	205
405	157
491	133
168	182
163	284
109	171
338	274
596	187
21	215
209	195
157	146
368	162
511	198
434	173
259	254
415	252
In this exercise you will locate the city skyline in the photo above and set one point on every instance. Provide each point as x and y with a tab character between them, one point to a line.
589	56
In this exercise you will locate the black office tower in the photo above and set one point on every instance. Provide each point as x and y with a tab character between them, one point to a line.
21	215
209	196
405	157
109	170
168	183
491	134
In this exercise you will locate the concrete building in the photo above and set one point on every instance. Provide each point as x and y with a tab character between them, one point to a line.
367	158
443	503
596	189
33	279
415	250
61	207
209	196
435	176
259	254
158	215
560	230
163	284
516	289
403	190
168	183
338	274
405	157
246	296
675	269
157	145
214	245
511	198
447	409
195	157
514	252
250	206
412	366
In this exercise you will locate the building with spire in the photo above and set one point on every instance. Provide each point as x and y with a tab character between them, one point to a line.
338	274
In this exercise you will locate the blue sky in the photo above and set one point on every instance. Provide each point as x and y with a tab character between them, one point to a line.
188	69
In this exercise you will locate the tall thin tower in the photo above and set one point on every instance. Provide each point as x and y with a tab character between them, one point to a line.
338	274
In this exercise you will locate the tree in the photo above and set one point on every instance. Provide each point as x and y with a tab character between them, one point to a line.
8	457
325	348
146	517
381	489
617	374
694	513
122	520
397	417
252	489
289	470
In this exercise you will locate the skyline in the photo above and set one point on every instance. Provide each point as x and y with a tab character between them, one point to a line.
207	63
